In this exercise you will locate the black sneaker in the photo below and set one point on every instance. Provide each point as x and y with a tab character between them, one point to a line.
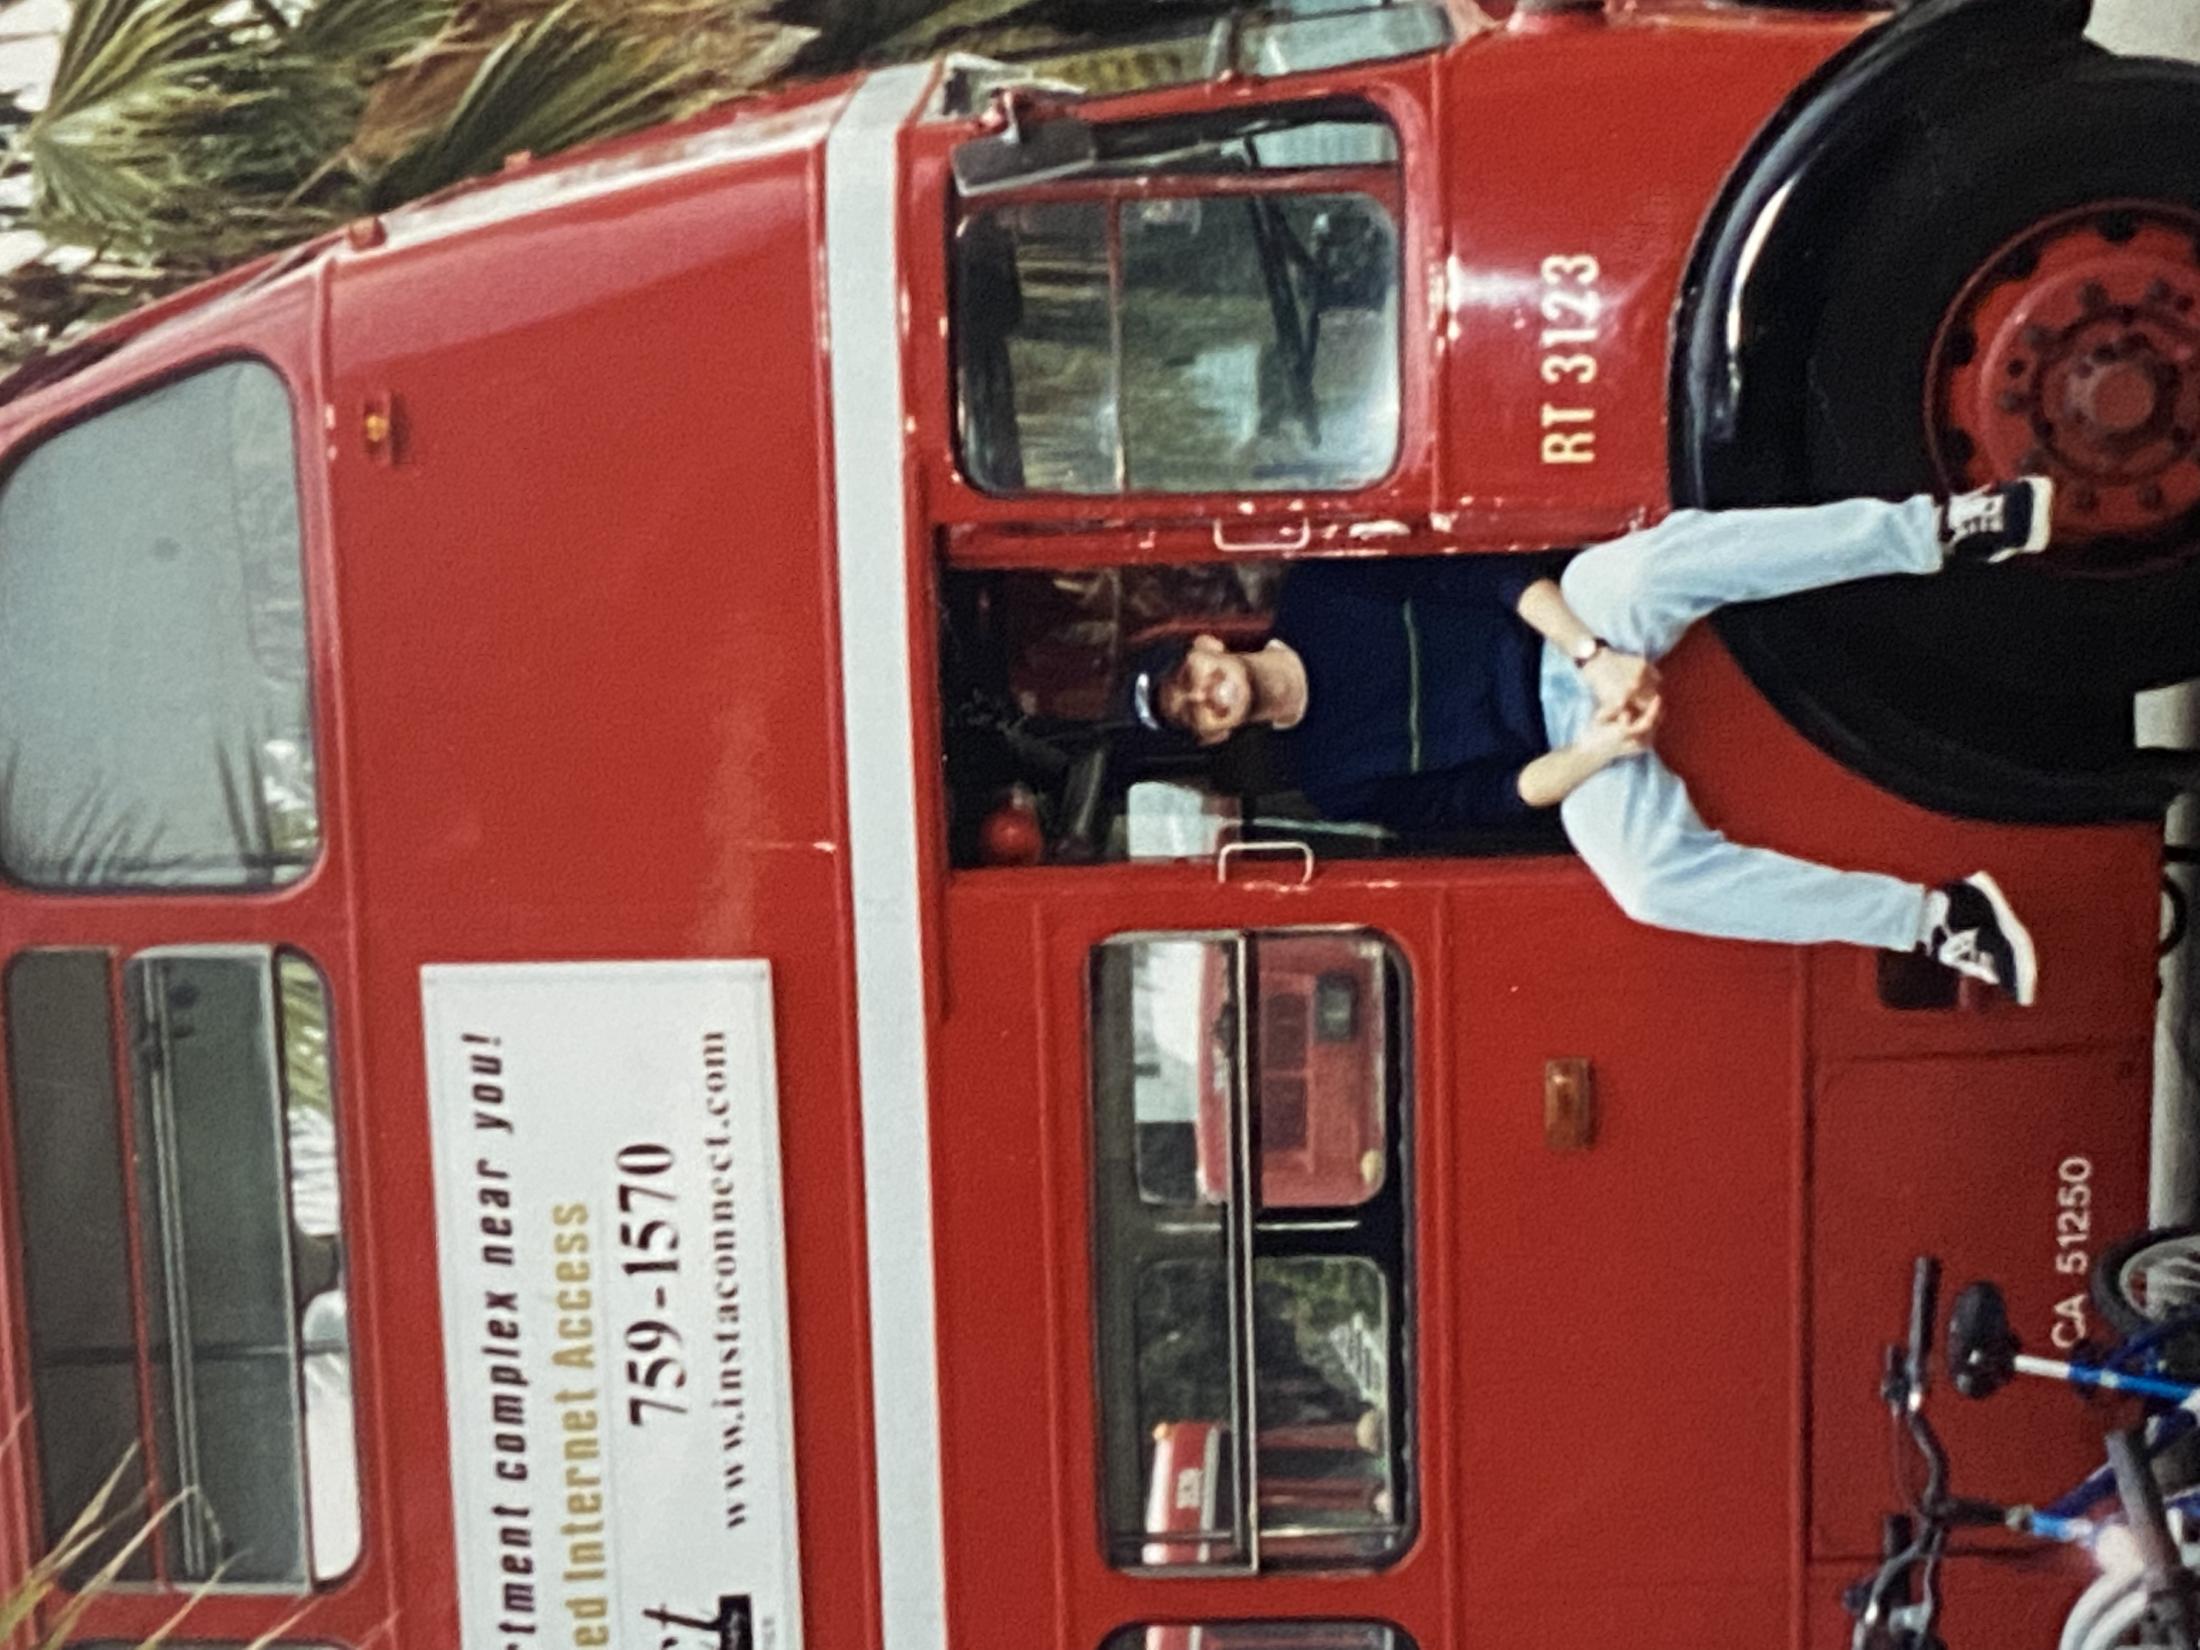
1999	522
1982	939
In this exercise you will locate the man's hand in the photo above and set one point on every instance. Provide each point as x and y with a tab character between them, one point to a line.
1611	736
1621	681
1626	731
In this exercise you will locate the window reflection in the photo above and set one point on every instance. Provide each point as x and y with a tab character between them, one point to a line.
155	723
1233	328
230	1332
1250	1249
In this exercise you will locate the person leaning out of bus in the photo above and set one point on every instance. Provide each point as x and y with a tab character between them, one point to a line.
1443	692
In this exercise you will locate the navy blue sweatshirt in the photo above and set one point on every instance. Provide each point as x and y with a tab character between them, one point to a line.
1422	699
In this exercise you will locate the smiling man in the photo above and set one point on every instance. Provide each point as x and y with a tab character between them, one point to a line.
1441	692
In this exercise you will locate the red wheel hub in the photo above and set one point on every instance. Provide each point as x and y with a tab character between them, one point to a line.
2075	353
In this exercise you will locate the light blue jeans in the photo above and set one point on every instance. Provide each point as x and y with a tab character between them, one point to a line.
1632	821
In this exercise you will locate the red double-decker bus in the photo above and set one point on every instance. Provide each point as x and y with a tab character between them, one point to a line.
604	1046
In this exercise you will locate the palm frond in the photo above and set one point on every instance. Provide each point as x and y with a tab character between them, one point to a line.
115	49
545	86
178	127
942	25
367	36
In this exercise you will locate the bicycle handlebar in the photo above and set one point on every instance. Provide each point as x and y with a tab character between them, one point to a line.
1886	1618
1924	1301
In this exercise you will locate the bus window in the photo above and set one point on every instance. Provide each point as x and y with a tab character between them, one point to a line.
1321	1030
1250	1257
75	1233
228	1335
155	729
1238	332
1260	1635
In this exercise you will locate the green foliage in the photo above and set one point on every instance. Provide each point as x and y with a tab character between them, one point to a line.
180	137
556	81
191	133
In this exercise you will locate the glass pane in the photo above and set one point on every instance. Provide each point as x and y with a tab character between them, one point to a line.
1322	1065
88	1427
316	1234
1169	1352
1184	1052
1282	1325
1320	1061
154	718
1259	342
1321	1355
1261	1635
212	1127
61	1081
1035	350
61	1077
1327	1457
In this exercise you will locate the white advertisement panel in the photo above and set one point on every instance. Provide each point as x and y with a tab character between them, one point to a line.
613	1263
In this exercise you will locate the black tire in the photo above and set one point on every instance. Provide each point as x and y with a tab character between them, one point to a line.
2126	1280
1999	693
2100	129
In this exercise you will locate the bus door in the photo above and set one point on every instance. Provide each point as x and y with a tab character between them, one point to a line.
1239	1373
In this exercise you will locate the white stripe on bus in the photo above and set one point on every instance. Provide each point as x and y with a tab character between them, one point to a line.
862	284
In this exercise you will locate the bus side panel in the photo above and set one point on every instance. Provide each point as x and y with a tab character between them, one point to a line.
592	682
1946	1128
2052	1163
1572	220
1627	1331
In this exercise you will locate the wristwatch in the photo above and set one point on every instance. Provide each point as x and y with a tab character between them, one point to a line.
1582	652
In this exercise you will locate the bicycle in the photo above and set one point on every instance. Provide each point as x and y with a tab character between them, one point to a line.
2147	1586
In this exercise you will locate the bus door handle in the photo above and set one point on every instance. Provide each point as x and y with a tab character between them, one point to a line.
1259	539
1265	850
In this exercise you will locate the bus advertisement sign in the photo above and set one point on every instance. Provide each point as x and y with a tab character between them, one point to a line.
608	1210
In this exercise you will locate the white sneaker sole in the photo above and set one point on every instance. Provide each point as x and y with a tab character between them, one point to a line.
2026	986
2043	521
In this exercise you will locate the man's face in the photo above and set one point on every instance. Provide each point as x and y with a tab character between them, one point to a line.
1211	695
